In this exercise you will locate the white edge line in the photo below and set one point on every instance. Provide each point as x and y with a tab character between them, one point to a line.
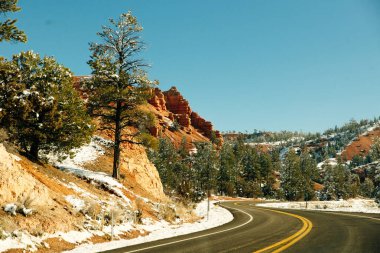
354	215
200	236
320	211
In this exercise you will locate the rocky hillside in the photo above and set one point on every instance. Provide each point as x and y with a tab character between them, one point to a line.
176	120
54	204
174	117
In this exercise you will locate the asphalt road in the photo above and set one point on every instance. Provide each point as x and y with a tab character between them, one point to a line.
254	229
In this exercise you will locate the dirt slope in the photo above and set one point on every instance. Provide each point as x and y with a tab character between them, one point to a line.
361	145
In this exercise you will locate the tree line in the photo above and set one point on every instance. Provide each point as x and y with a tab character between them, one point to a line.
241	170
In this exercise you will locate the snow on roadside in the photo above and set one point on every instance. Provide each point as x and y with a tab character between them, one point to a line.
162	229
350	205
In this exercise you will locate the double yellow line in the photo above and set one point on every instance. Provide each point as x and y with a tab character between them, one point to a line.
289	241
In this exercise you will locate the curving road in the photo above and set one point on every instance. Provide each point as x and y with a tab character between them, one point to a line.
263	230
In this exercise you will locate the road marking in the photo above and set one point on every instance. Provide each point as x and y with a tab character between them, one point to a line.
354	215
200	236
289	241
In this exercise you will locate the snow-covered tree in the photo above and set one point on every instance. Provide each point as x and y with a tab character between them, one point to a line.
377	184
206	166
310	174
226	175
367	188
337	183
291	177
40	108
8	29
120	85
375	149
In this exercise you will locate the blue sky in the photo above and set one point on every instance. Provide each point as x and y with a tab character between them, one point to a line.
255	64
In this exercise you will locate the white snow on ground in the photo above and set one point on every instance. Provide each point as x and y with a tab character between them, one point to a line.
88	153
330	161
350	205
78	204
160	230
157	230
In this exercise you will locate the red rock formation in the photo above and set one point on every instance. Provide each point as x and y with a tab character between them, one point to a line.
201	124
179	106
158	100
178	109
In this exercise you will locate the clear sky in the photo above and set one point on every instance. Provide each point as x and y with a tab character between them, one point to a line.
243	64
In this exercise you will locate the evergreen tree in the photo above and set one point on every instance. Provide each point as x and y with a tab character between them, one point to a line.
266	172
226	175
367	188
164	160
291	177
309	174
8	29
375	149
377	184
41	109
337	183
205	165
120	85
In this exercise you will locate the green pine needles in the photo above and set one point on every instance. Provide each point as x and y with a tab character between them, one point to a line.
8	28
39	106
120	85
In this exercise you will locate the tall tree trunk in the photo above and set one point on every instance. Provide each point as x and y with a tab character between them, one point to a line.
116	151
34	148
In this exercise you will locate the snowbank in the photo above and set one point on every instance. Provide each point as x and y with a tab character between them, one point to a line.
351	205
160	230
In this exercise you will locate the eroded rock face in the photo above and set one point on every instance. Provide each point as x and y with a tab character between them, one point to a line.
158	100
179	110
141	174
179	106
201	124
16	185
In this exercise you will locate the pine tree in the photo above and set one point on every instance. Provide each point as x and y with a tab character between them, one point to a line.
164	160
206	166
8	29
41	109
291	177
367	188
120	85
375	149
226	172
337	183
309	174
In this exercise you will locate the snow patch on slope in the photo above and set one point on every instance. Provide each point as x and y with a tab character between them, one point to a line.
89	153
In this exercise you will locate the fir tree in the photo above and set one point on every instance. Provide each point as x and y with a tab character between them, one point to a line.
291	177
206	166
337	183
41	109
367	188
309	174
120	85
226	174
374	152
8	29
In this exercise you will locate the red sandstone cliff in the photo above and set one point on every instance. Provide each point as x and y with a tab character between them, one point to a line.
178	109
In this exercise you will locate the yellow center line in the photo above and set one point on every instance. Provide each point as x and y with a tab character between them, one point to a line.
289	241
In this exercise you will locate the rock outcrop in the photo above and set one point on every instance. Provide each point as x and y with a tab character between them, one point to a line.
158	100
180	111
179	106
16	185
